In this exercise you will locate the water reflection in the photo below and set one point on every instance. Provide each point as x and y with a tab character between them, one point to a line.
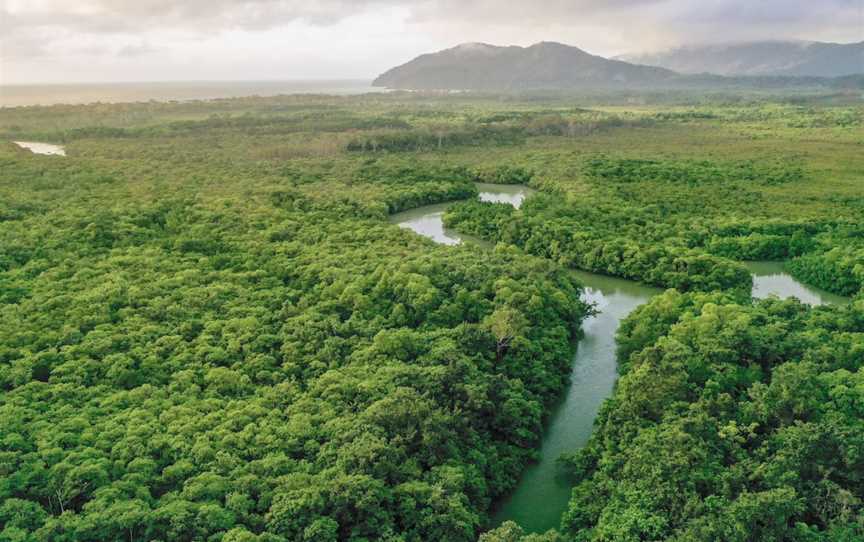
428	221
770	278
541	495
514	194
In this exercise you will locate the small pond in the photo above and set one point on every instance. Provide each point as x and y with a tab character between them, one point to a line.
41	148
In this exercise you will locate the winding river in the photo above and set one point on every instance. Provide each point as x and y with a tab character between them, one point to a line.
541	495
427	220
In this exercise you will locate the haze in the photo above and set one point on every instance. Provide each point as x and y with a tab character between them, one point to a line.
57	41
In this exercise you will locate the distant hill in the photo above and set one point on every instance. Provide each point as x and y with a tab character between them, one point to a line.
479	66
782	58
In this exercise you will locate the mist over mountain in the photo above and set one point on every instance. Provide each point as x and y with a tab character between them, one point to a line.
551	65
482	66
785	58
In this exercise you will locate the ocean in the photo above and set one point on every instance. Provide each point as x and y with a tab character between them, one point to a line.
84	93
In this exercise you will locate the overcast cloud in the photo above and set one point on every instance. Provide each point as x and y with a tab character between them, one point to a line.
133	40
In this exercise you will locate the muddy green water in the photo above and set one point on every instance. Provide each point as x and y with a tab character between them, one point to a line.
541	495
427	220
769	278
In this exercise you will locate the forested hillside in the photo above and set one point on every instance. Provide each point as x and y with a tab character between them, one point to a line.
209	330
542	65
552	65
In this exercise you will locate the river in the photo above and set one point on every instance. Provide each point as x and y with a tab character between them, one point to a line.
428	220
541	495
769	278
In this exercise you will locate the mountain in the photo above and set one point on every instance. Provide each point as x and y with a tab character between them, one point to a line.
479	66
784	58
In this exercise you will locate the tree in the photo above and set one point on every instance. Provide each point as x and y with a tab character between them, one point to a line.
505	324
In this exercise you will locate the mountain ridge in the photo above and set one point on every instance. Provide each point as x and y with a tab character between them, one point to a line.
554	65
476	65
793	58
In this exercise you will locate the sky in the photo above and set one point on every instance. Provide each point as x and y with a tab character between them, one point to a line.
63	41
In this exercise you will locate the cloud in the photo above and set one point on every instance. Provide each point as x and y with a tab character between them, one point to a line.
516	13
38	36
39	28
755	13
641	24
134	16
122	16
134	50
22	46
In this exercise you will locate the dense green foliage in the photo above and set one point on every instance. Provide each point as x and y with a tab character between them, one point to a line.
730	422
294	386
589	239
208	330
195	346
688	172
674	220
839	269
503	175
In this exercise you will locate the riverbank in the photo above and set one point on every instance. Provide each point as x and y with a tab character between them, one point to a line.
542	495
